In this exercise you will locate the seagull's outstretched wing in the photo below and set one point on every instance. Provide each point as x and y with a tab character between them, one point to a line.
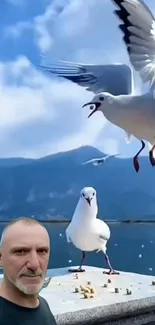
138	27
95	78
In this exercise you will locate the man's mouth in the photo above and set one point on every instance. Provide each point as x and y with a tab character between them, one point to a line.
31	275
94	106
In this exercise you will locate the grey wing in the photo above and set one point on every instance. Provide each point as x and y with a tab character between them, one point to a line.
138	27
95	78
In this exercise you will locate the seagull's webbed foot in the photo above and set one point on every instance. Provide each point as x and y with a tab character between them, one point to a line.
111	272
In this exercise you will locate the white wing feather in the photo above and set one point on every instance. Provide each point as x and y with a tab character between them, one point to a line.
138	27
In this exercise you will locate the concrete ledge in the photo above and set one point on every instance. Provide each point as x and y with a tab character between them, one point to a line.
71	308
107	306
118	312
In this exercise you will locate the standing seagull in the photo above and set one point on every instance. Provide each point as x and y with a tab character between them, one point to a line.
87	232
99	161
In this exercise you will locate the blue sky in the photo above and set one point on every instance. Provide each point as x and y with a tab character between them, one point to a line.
39	114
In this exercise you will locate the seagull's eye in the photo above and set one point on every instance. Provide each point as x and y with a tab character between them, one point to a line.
83	195
93	194
101	98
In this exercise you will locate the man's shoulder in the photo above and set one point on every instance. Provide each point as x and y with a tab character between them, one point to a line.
45	306
43	301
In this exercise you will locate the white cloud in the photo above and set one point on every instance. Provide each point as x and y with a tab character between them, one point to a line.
40	25
40	114
19	103
48	19
17	30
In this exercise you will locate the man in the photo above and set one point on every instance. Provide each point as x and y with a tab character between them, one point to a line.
24	255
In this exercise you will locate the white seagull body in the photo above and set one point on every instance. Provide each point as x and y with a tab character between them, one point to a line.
85	231
134	114
99	161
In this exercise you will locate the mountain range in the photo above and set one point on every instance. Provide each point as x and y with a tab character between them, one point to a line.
49	187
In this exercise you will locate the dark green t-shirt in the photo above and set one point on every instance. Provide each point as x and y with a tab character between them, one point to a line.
13	314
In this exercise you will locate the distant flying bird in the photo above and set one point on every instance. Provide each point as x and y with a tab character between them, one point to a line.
99	161
135	114
85	231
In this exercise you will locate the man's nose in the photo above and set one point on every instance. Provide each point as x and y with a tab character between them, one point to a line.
33	262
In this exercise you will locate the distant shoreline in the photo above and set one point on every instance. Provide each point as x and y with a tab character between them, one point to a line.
64	220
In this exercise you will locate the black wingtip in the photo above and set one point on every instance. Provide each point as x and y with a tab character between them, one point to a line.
118	2
123	15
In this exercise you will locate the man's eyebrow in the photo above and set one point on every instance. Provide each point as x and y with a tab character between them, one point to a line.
20	247
43	247
25	247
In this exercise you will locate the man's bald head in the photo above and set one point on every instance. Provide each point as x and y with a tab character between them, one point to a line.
22	221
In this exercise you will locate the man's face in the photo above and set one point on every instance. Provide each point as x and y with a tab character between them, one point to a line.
25	256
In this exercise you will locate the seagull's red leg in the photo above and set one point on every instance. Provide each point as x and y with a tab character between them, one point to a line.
80	267
135	159
152	159
111	271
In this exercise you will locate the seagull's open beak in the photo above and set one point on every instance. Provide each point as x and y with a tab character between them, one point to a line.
96	104
88	200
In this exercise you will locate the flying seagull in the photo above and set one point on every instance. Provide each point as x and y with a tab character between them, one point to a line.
86	231
99	161
135	114
95	78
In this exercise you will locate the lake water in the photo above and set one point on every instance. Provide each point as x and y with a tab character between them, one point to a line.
130	248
